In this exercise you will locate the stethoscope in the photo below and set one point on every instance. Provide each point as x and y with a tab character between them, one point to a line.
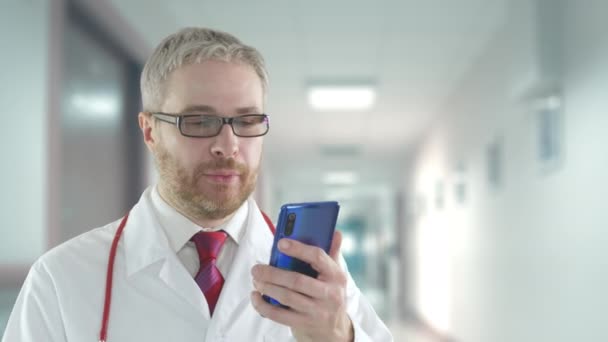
103	334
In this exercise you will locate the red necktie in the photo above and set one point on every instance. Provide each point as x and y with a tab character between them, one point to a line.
209	278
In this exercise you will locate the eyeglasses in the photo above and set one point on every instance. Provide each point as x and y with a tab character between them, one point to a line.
206	126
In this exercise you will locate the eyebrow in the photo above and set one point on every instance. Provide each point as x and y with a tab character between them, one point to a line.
212	110
198	108
249	110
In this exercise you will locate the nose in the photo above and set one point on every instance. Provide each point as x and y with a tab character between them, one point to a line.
225	144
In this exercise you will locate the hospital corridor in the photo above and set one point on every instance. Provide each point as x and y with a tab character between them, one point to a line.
464	140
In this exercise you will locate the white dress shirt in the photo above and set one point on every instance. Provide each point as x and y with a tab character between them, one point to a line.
180	229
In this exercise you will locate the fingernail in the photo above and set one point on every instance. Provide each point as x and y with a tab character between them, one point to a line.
284	244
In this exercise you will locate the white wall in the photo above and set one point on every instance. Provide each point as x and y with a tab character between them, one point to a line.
23	133
526	261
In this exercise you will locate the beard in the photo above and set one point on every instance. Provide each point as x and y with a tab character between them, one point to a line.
188	192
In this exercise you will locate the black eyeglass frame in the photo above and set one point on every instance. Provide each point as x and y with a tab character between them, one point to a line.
177	119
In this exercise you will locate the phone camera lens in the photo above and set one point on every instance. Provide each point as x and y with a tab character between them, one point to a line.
291	219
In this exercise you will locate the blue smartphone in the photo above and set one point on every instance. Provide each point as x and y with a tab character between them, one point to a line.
312	223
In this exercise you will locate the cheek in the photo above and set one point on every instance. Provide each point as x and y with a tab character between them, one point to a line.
183	160
252	153
186	152
191	155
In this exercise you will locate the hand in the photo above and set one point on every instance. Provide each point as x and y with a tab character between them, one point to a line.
317	307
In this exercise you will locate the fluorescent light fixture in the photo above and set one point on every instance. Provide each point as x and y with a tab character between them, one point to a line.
341	195
340	178
341	97
96	105
349	244
550	102
553	102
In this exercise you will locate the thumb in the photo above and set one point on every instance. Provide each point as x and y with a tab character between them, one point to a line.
336	243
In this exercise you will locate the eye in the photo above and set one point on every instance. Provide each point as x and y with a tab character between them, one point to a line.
249	120
201	121
207	122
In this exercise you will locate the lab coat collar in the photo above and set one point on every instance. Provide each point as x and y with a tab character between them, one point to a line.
144	239
147	252
258	235
145	244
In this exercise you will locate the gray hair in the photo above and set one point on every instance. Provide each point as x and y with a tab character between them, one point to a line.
193	45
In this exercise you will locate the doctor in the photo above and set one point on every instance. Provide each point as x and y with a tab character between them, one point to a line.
189	260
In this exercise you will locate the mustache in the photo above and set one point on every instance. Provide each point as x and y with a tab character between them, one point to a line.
221	164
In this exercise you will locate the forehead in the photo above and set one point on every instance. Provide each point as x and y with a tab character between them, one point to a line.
225	86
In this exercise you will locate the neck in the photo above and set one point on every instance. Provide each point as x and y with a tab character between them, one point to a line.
185	210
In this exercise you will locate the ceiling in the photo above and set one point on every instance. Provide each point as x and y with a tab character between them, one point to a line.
415	51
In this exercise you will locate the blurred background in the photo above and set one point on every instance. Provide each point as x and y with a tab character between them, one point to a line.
462	138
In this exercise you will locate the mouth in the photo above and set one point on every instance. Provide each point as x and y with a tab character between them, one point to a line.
222	176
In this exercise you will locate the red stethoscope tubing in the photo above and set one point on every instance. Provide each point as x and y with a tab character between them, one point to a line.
103	334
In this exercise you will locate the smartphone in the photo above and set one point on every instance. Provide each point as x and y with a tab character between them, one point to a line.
312	223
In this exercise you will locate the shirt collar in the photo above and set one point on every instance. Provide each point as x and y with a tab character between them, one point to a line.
179	229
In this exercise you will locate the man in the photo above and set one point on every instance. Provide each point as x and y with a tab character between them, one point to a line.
190	265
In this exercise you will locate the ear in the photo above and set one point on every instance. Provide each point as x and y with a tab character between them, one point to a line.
146	124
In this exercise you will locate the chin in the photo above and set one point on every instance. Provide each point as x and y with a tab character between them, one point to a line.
220	193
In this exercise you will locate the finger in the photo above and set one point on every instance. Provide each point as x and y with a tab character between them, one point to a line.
334	251
295	300
294	281
280	315
315	256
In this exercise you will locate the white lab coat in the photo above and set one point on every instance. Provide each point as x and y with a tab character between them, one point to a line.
154	297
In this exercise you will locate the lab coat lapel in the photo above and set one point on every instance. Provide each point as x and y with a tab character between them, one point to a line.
253	249
175	276
146	244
